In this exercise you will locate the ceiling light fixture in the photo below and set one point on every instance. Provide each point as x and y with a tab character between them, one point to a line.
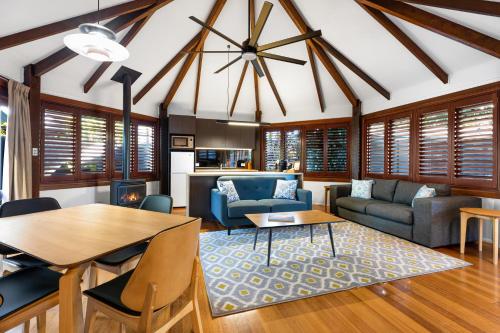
96	42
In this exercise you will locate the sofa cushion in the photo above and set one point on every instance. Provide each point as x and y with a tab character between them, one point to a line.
240	208
405	192
357	204
253	188
442	190
383	189
392	211
283	205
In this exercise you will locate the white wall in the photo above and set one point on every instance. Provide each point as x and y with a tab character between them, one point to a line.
87	195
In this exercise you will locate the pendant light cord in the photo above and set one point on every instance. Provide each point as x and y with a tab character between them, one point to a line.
98	11
227	90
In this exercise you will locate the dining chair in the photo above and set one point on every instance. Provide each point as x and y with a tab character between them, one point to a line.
140	299
10	256
25	294
119	262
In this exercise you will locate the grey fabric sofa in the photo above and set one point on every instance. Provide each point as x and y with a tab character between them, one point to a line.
431	222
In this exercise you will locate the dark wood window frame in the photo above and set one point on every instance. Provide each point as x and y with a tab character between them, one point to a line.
324	124
83	179
451	103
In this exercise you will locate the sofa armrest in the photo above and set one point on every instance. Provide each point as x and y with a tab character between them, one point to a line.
338	191
218	205
437	220
305	196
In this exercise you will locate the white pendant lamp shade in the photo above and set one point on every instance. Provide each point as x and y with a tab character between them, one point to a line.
96	42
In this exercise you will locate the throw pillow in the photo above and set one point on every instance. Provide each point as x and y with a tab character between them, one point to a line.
362	189
285	189
424	192
227	188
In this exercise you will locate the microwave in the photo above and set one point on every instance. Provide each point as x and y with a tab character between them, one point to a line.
182	142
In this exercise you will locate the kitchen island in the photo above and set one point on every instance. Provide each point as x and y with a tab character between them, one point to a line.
200	184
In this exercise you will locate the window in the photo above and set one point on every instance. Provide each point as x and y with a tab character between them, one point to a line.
86	146
3	132
337	150
314	150
272	149
375	147
399	146
293	145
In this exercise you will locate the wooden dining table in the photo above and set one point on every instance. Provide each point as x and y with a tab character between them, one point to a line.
71	238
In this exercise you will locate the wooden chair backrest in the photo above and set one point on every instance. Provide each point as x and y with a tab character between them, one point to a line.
168	263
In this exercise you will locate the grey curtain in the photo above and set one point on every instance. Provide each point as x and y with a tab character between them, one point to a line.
17	159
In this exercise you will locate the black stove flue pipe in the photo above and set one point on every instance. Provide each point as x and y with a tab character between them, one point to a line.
127	77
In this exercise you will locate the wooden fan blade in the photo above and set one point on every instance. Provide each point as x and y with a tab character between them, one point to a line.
257	68
226	66
261	21
281	58
200	22
225	52
290	40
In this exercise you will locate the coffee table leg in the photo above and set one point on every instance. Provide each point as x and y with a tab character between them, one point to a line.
331	238
311	229
269	246
256	235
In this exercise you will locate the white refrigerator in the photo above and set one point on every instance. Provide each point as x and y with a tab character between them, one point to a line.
181	163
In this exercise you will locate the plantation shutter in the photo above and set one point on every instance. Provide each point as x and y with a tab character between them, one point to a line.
118	146
375	146
314	150
292	146
59	144
474	142
337	149
433	145
272	149
93	142
145	148
399	146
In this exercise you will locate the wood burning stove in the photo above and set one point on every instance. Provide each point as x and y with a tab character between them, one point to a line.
127	192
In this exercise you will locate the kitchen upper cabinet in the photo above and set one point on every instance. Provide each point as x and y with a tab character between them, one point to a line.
210	134
185	125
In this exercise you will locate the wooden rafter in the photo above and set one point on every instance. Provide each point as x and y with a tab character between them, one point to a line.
164	71
105	65
297	18
438	25
258	112
317	82
117	24
238	88
299	21
72	23
271	83
198	80
407	42
214	14
471	6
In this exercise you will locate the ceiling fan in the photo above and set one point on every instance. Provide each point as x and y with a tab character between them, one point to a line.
249	49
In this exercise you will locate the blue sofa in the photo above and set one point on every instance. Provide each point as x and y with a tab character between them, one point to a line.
256	196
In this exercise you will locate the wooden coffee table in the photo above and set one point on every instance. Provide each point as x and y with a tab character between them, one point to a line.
302	218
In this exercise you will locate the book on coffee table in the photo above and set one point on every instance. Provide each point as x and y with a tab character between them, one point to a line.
281	218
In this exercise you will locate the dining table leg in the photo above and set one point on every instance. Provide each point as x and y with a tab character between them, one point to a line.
70	300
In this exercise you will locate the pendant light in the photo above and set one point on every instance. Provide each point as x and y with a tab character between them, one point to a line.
236	122
96	42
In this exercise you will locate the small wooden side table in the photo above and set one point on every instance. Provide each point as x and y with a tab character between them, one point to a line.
327	192
482	215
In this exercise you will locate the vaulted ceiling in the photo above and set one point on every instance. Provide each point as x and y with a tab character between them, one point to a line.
379	53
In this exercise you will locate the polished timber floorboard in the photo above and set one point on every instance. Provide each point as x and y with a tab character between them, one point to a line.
463	300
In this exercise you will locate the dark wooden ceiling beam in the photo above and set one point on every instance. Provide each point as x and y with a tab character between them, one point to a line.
72	23
214	14
258	112
317	82
238	88
198	80
299	21
117	24
271	83
105	65
407	42
438	25
471	6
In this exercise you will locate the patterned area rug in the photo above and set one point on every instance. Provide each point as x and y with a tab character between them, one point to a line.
237	278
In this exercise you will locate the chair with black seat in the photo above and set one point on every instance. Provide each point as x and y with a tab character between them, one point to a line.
119	262
10	256
25	294
141	299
